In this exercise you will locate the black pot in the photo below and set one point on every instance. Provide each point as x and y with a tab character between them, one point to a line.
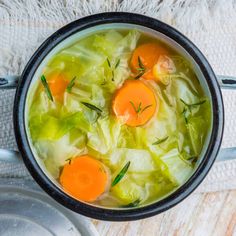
44	181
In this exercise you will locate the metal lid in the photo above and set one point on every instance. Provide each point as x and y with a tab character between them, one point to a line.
26	210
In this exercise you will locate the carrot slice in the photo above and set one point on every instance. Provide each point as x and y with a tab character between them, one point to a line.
135	103
57	84
84	178
149	54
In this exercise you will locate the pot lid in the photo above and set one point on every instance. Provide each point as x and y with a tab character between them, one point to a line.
25	211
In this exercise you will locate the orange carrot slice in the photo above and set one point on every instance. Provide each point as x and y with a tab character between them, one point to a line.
135	103
149	54
85	178
57	84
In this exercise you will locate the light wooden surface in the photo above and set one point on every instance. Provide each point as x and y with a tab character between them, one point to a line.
201	214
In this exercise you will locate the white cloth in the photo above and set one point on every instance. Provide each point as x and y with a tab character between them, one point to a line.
211	25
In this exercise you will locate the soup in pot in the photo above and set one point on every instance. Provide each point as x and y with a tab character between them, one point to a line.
119	118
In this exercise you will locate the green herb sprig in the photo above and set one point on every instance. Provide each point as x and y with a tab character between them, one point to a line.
139	109
117	63
121	174
185	115
46	87
92	107
192	105
109	63
71	85
187	158
69	160
189	107
159	141
141	69
113	67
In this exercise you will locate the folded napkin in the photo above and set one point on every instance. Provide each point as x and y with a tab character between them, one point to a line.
211	25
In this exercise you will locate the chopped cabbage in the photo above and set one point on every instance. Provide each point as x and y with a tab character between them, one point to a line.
55	153
104	136
141	160
178	169
128	191
46	127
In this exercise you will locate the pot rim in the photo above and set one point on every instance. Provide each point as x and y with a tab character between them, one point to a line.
98	212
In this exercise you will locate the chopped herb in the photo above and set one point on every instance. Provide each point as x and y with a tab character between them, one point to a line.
141	66
69	159
117	63
139	75
188	108
132	204
113	68
133	105
104	81
141	69
109	63
190	160
198	103
139	109
121	174
184	112
70	85
160	140
112	72
46	87
92	107
185	160
186	104
145	108
193	159
193	104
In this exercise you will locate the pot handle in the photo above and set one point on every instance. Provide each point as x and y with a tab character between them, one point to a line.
226	82
10	155
10	82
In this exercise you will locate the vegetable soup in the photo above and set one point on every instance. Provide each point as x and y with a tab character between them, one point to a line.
119	118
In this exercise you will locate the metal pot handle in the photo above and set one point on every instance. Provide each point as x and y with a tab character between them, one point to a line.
226	82
10	82
10	155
